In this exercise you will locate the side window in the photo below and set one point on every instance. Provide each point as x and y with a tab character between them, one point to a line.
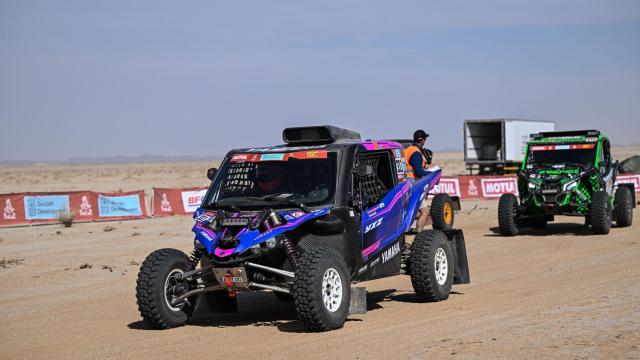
374	175
607	151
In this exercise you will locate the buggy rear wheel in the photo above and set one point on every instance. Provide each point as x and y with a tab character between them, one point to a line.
442	212
432	266
322	290
623	207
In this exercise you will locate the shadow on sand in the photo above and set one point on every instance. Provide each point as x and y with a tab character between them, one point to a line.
263	309
551	229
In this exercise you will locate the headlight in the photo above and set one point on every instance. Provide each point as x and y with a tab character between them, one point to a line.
532	185
255	249
271	243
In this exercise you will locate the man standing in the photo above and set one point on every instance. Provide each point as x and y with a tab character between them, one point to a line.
417	165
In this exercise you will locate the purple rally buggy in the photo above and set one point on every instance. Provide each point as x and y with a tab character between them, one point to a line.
305	220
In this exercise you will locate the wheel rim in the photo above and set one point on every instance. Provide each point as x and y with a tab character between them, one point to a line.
441	266
331	290
448	214
169	283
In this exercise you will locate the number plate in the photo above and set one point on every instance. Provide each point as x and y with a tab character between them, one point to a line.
236	277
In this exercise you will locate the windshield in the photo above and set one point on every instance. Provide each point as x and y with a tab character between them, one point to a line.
272	180
568	155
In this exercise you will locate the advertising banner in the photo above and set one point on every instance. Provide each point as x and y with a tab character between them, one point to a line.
129	205
629	179
47	207
177	201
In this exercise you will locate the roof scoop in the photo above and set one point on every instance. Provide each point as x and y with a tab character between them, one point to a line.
313	135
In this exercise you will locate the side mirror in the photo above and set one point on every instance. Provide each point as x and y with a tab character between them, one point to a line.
211	173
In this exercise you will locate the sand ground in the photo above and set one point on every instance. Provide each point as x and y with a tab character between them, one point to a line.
69	293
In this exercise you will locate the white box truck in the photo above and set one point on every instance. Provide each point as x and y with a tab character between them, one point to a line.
496	146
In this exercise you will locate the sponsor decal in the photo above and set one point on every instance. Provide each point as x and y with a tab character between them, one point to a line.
373	225
495	187
271	157
288	148
375	262
126	205
449	186
562	147
9	212
363	269
206	217
374	209
45	207
85	207
191	200
472	189
165	204
391	252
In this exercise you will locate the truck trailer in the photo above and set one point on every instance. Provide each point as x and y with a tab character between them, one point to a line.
497	146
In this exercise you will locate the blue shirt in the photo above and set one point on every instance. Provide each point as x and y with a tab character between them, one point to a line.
416	163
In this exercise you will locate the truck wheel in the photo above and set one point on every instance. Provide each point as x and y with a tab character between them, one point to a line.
322	290
432	266
442	212
623	207
154	290
600	212
507	212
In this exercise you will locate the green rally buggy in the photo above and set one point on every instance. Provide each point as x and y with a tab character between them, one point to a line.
567	173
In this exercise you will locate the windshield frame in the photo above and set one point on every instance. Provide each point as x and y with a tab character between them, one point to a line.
215	186
593	147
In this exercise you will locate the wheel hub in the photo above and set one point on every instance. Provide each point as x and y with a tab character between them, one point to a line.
171	284
441	266
331	290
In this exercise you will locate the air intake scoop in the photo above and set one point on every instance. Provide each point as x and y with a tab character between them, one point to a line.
310	135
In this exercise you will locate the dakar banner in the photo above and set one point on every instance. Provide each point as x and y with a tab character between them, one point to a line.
48	207
176	201
476	187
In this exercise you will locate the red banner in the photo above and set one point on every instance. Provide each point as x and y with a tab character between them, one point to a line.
83	206
167	201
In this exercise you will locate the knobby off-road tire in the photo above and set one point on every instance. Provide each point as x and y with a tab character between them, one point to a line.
507	211
441	212
600	213
155	275
322	290
623	207
432	266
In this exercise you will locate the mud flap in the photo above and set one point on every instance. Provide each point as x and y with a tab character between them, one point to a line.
358	303
455	200
461	274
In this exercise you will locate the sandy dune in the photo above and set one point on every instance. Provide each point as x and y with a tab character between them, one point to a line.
70	292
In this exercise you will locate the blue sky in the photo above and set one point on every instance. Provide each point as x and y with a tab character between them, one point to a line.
106	78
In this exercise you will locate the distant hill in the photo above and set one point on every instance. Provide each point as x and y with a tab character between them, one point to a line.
147	158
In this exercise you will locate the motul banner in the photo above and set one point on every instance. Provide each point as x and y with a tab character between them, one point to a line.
47	207
477	187
629	179
168	201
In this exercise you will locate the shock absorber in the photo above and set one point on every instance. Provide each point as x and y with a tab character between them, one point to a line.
274	219
194	259
292	252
